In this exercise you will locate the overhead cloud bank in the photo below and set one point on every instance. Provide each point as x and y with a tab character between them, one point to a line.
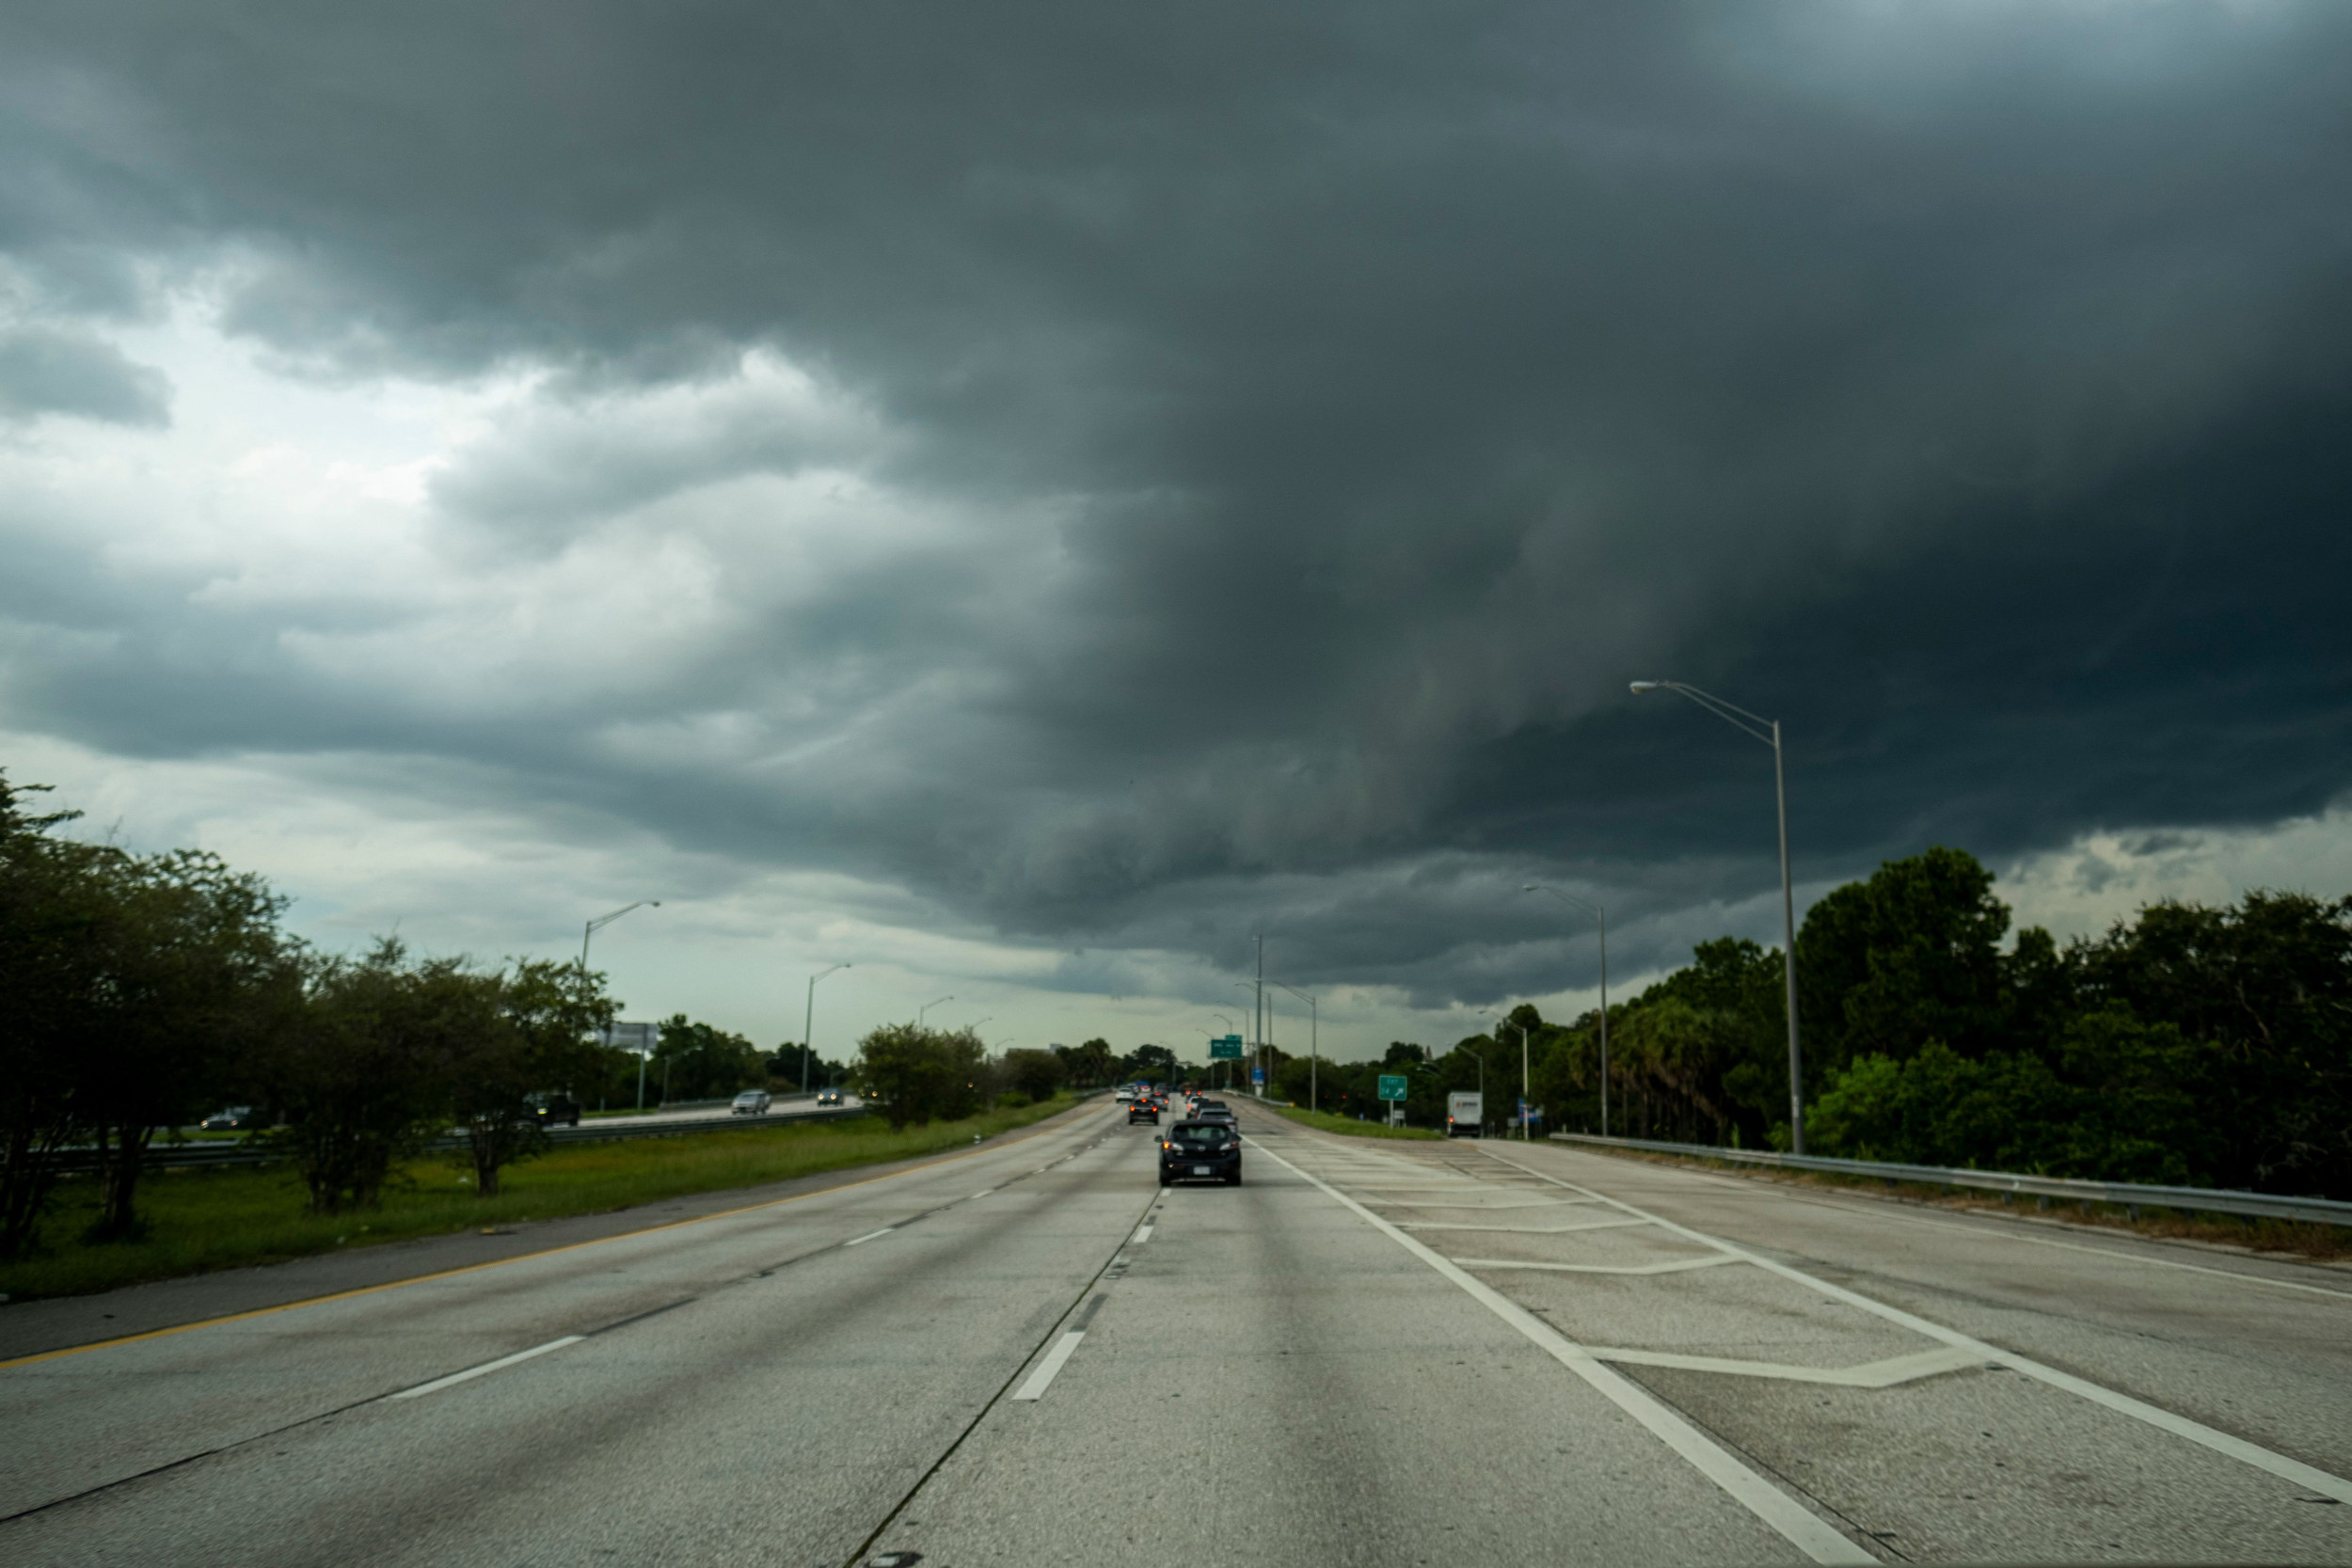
1132	478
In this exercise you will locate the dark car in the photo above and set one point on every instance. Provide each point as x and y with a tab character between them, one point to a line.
1143	1109
236	1119
1201	1151
1216	1110
828	1096
555	1110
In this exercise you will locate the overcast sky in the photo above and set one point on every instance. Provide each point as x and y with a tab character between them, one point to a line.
1020	498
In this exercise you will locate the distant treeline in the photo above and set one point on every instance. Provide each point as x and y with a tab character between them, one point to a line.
2190	1045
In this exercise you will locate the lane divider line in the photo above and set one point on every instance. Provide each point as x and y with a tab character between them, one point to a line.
1055	1360
471	1372
1522	1229
2220	1442
1025	1135
2005	1235
1678	1266
1796	1524
1874	1374
870	1235
1143	1235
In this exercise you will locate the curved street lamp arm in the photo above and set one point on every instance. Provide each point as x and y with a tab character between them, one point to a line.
1752	724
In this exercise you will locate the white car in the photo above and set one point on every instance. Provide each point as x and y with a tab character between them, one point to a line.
750	1102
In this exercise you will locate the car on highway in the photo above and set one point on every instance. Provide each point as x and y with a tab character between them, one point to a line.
1142	1110
1216	1110
555	1110
750	1102
234	1119
829	1097
1201	1151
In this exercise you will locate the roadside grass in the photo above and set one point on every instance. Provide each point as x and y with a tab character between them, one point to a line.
1328	1121
201	1220
2319	1243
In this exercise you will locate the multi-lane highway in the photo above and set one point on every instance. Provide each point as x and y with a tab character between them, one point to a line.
1371	1351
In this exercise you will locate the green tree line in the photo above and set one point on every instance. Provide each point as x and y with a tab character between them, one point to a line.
2191	1044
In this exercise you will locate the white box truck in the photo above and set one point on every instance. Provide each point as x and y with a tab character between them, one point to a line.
1463	1114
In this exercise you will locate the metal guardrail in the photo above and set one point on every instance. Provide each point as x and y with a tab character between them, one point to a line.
223	1155
2129	1194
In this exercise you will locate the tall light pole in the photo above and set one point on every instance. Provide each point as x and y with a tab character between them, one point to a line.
927	1007
808	1020
1501	1024
1229	1027
1601	915
1260	1047
590	929
1767	731
1315	1040
1257	1016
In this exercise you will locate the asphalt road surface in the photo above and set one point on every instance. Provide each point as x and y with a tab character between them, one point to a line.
1371	1352
783	1106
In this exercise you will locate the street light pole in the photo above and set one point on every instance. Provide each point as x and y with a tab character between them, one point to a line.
808	1020
927	1006
1510	1024
1315	1040
590	929
1230	1026
1767	731
1601	915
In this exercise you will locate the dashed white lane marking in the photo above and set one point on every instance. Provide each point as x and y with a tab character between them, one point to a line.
982	1192
1812	1536
1041	1379
471	1373
870	1235
1143	1235
2122	1404
1675	1266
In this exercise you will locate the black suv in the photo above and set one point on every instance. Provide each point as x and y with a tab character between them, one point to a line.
1201	1151
555	1110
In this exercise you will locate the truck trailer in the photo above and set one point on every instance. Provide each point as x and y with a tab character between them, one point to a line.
1465	1115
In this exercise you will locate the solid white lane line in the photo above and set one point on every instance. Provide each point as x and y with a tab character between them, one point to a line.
1038	1381
1874	1374
1521	1229
870	1235
1143	1235
1676	1266
471	1373
1810	1535
2123	1404
2004	1235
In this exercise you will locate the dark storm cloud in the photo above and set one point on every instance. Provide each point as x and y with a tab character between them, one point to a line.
46	371
1962	385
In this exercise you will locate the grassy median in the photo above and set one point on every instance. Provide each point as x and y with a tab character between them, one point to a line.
200	1220
1327	1123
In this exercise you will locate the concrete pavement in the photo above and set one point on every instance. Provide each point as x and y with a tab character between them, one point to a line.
1371	1352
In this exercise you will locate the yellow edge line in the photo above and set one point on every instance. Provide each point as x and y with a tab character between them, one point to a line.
498	1263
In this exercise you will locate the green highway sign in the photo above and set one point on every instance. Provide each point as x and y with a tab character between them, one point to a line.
1391	1085
1224	1048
